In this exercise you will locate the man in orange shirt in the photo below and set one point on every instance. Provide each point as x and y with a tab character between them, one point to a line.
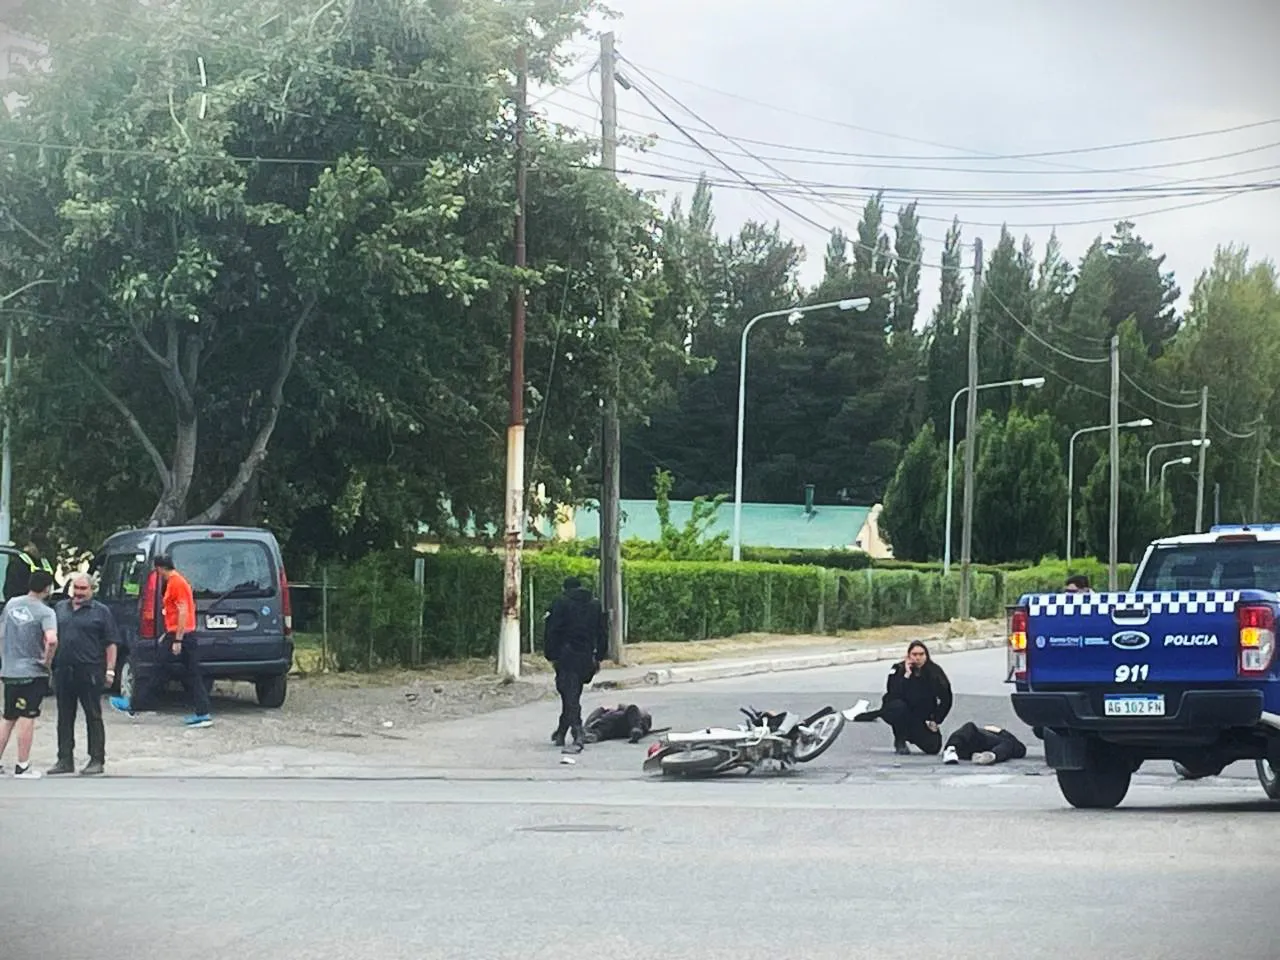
178	645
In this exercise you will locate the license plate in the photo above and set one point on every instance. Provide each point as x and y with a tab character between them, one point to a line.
220	622
1145	705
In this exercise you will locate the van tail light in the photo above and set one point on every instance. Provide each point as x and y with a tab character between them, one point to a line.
286	605
147	625
1257	638
1017	650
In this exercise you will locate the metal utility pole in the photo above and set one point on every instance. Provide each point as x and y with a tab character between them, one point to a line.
970	437
6	458
1204	432
1114	521
513	540
1257	475
611	441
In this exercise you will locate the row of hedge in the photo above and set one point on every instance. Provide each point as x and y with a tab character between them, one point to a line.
805	557
374	614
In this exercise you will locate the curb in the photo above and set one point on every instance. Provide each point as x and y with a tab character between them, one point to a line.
663	676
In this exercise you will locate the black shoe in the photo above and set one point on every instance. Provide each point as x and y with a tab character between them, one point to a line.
579	738
637	734
557	738
901	749
61	768
92	769
575	747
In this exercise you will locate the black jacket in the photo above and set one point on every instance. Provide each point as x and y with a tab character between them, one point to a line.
927	693
576	628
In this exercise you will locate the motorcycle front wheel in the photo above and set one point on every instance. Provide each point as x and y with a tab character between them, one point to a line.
701	762
825	731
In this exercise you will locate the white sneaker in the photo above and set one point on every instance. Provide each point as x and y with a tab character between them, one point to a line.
27	773
949	755
984	759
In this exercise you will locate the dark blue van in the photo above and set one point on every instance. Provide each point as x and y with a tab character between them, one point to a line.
244	622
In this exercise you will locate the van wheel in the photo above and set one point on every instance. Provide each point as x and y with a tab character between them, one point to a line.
272	691
1269	777
1103	782
127	681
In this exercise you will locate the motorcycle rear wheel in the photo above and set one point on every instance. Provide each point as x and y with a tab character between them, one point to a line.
700	762
828	729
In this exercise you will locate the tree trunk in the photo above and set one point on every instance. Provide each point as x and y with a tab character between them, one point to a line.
171	508
244	512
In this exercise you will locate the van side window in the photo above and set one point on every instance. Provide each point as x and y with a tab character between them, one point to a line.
121	577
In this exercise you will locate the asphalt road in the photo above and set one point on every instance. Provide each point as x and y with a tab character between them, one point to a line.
860	855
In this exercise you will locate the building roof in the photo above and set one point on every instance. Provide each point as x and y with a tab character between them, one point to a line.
784	525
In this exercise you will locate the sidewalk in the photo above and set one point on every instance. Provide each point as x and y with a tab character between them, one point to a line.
774	660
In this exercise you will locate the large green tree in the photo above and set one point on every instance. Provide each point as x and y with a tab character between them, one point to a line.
1020	492
289	234
912	520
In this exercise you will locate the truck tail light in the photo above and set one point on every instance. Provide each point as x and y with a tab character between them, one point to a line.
1017	650
286	604
1257	638
147	626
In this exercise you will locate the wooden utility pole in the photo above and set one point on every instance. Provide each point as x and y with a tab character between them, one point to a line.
1113	523
970	438
513	539
611	440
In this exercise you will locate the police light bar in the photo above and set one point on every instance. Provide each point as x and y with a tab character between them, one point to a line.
1245	528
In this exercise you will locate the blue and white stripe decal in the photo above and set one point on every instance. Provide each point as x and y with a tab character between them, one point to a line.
1171	601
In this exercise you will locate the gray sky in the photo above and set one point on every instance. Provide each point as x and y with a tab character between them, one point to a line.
945	82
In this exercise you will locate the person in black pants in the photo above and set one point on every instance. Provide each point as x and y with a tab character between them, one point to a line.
84	664
576	640
983	745
917	699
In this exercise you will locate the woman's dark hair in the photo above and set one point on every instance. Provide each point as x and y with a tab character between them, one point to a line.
920	645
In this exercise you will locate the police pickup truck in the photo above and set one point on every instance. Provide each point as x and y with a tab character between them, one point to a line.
1181	667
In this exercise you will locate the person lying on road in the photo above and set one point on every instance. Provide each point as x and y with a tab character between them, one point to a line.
917	699
983	745
626	721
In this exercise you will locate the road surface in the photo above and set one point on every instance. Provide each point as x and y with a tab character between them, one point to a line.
864	855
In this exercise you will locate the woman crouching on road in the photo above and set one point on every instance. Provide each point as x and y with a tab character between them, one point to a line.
917	699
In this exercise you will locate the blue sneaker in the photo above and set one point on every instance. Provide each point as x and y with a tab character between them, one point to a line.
121	704
198	720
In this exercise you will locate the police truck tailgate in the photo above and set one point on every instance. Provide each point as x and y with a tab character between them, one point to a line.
1133	641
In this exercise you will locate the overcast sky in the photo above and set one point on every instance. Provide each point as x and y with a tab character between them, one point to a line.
948	83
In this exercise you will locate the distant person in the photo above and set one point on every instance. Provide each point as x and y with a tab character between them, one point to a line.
983	745
178	651
916	701
28	638
20	568
85	663
1078	583
576	640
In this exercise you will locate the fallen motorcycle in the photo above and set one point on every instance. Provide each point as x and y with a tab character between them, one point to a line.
781	738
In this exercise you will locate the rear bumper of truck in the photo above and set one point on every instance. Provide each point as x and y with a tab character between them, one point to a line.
1197	711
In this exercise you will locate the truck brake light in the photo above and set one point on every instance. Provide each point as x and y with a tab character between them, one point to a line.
1257	624
286	603
1017	651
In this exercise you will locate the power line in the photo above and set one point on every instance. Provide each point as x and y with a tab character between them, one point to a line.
1154	399
1038	155
1039	339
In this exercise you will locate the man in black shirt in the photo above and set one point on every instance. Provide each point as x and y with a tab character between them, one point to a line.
84	663
576	640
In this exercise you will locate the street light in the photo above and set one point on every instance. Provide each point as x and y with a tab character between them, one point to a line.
1181	461
1036	382
792	314
1166	446
1071	467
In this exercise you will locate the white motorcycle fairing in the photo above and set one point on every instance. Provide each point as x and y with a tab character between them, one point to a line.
714	735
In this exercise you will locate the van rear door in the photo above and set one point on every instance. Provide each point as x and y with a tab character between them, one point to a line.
236	581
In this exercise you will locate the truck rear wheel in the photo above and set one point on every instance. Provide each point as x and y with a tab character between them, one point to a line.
1103	782
1269	777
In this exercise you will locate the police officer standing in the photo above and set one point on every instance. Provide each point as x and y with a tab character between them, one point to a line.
20	569
84	664
576	640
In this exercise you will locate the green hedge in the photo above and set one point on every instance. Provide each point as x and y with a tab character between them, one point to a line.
374	612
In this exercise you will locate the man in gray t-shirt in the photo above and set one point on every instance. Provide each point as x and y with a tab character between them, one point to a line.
28	638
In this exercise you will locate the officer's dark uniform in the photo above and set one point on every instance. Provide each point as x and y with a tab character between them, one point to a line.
79	674
19	573
576	641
